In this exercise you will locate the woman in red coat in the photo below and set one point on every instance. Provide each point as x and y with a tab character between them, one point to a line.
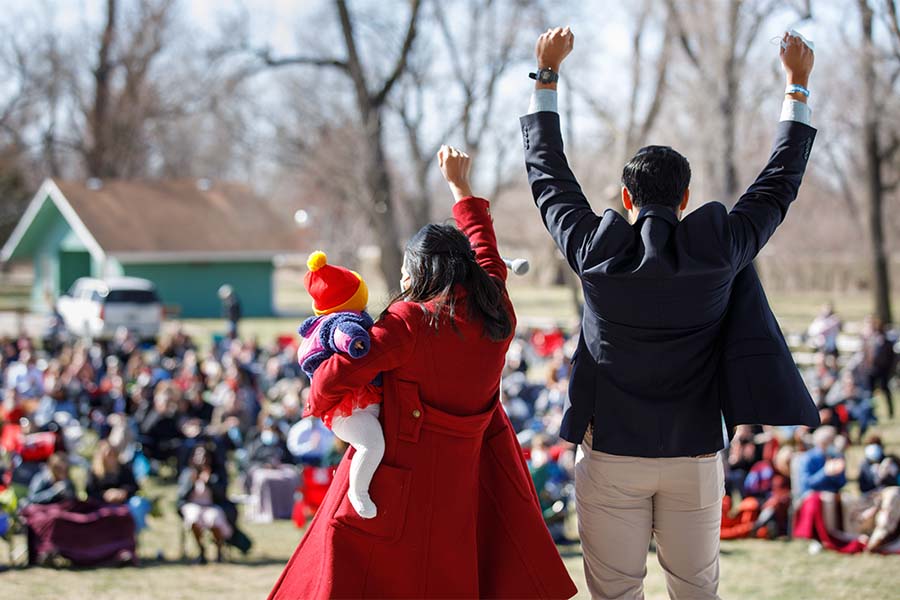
457	512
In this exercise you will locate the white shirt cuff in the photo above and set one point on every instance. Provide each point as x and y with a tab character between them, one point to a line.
794	110
543	100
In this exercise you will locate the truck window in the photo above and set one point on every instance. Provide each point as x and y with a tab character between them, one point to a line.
132	296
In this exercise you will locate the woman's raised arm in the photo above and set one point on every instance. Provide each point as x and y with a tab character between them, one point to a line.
472	214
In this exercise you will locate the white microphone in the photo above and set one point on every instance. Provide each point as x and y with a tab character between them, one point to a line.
519	266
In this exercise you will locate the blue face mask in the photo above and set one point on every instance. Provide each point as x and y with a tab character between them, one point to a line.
268	437
874	453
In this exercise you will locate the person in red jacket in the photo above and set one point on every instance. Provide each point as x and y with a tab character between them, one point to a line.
458	515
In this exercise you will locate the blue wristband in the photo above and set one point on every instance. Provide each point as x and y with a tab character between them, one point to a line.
795	88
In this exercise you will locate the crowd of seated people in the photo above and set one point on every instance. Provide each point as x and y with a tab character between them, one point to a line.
533	394
226	426
792	481
121	411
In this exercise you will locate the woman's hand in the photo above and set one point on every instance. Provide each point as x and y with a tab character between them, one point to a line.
455	166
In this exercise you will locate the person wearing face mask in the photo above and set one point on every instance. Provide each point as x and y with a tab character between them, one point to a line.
822	468
869	467
271	477
160	434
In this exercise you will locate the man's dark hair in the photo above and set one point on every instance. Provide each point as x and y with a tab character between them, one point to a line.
657	175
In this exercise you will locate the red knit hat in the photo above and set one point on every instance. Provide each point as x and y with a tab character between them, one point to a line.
333	288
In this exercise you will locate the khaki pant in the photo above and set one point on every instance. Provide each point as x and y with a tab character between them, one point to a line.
622	500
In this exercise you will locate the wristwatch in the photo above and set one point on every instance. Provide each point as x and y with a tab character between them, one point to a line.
545	75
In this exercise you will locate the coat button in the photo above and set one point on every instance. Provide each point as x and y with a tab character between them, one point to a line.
417	413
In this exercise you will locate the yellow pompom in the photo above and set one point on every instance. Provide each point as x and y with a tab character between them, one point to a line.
316	260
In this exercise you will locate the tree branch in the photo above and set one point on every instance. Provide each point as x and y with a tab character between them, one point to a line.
452	48
354	65
888	152
379	98
894	26
660	87
265	55
683	37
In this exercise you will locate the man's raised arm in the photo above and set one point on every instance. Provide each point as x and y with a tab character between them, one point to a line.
764	205
564	208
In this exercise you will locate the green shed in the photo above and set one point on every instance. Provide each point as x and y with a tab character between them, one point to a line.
187	236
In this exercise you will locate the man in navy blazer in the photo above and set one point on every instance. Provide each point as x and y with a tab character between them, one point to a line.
676	334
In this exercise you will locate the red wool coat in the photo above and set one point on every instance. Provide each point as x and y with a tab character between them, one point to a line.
457	512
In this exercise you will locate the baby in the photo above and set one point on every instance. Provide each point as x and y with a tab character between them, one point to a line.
341	324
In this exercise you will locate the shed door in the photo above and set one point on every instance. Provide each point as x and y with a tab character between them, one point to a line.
72	265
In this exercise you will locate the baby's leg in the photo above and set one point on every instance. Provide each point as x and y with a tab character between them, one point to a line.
362	431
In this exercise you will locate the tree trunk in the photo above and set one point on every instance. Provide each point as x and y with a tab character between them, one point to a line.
99	118
727	111
382	211
874	183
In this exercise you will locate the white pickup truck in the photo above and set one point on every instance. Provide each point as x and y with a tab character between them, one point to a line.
96	308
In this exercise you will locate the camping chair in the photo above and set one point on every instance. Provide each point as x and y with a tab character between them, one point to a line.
311	493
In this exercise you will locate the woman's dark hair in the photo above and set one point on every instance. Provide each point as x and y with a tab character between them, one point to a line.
439	258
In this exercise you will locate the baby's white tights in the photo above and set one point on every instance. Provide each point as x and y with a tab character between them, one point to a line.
362	430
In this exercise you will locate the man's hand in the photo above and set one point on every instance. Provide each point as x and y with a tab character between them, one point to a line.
553	46
455	166
797	60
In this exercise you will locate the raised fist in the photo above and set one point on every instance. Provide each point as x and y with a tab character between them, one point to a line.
553	46
797	60
455	165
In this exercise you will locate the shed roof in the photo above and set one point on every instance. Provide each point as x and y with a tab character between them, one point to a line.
150	220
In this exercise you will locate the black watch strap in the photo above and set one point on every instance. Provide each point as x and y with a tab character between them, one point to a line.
545	75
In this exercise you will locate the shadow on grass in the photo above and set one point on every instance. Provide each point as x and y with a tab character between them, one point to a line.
153	563
253	561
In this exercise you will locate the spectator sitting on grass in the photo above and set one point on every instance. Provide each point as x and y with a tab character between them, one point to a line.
858	405
824	374
25	377
109	480
160	432
201	501
868	468
271	478
823	331
52	483
822	468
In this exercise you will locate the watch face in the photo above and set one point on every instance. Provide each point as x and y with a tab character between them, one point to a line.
547	76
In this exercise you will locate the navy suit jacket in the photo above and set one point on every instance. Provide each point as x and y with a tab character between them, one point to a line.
676	331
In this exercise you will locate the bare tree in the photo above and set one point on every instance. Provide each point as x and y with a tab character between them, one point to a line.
628	130
719	62
480	44
29	85
370	100
879	153
124	97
